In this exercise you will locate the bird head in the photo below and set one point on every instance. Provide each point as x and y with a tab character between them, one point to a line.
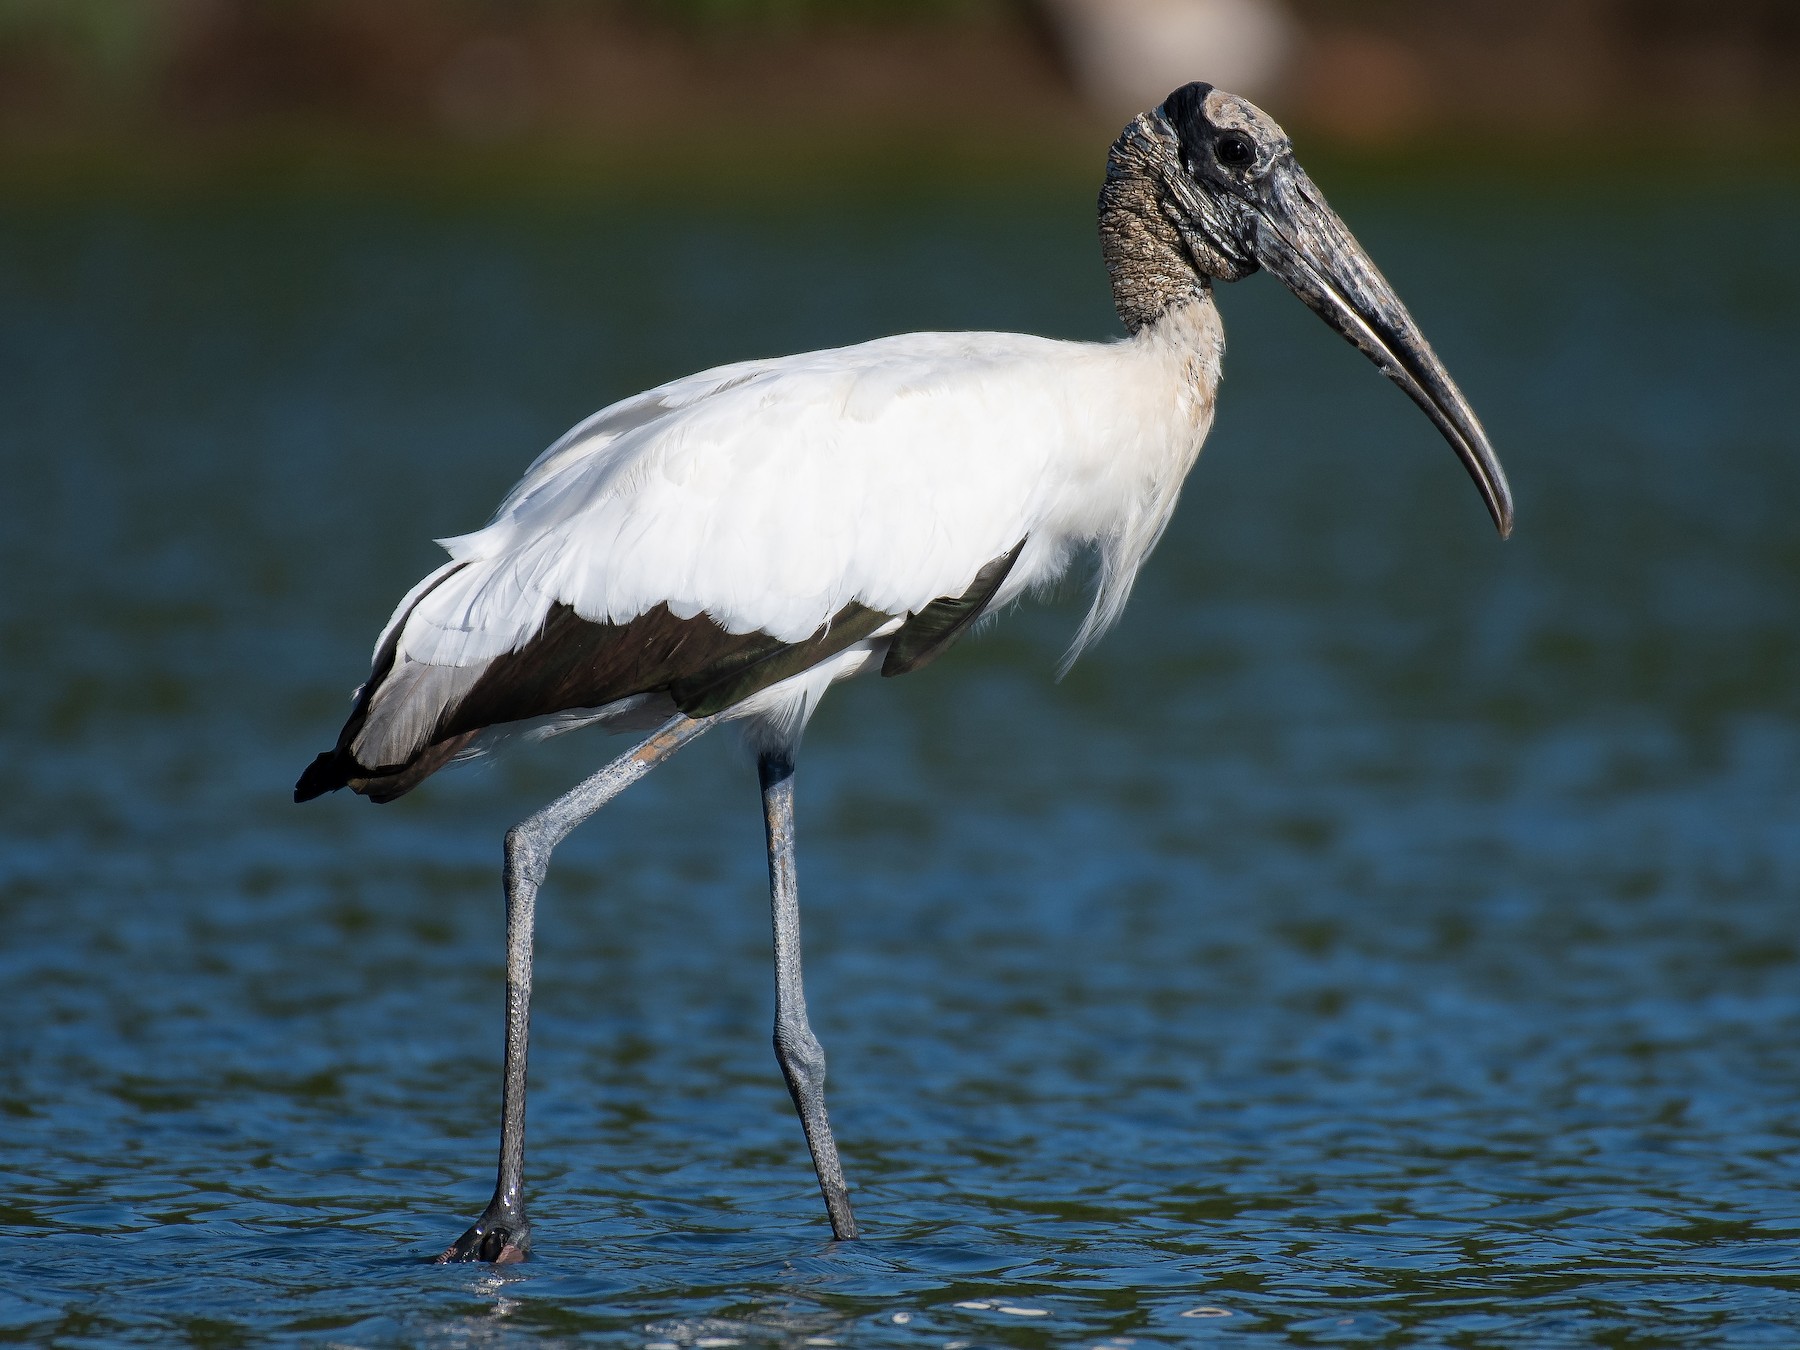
1220	179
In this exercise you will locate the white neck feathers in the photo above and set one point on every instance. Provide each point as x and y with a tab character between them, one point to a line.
1177	359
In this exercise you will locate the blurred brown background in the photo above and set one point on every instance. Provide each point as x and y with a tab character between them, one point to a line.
204	74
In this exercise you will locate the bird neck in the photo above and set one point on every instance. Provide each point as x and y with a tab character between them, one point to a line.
1150	266
1190	333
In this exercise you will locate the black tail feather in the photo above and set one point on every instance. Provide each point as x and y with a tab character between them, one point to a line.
329	772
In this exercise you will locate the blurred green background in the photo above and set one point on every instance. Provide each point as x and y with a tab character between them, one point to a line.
208	81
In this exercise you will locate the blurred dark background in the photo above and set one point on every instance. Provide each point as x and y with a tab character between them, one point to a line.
205	76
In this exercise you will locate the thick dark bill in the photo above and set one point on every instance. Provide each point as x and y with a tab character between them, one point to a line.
1296	236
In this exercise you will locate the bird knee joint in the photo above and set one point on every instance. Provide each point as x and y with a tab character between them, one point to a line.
799	1051
524	857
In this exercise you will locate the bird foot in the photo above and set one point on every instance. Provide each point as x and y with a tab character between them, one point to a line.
499	1237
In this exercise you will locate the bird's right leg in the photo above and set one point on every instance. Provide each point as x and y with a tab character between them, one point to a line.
503	1233
801	1056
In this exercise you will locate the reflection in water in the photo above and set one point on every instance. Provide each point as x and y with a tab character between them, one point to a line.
1384	935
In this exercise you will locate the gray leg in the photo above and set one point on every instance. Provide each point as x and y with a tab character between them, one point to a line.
802	1058
503	1233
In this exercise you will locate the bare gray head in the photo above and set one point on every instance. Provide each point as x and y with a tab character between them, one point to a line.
1205	188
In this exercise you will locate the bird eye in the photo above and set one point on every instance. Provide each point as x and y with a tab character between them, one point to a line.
1235	150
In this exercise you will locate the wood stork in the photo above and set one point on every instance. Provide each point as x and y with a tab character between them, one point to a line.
725	547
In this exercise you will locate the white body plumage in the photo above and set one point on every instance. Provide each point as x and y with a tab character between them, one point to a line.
767	495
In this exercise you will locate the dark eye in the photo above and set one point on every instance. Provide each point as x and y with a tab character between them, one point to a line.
1235	150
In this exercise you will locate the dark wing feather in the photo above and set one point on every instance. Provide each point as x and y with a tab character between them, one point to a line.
928	634
735	677
334	768
576	663
571	663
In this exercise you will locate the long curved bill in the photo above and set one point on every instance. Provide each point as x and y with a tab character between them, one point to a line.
1298	238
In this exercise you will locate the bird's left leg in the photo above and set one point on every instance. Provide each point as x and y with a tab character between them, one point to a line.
802	1057
503	1233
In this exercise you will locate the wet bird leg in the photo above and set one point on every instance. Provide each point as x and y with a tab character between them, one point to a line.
801	1056
503	1233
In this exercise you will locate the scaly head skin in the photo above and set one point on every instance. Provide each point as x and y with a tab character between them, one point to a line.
1205	188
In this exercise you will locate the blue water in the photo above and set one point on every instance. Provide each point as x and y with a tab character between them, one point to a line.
1385	936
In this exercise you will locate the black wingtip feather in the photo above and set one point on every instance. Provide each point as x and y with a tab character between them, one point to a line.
329	772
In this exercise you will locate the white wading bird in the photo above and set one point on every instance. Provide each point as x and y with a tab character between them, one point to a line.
725	547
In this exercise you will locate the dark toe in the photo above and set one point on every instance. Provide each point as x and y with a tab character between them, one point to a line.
498	1244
